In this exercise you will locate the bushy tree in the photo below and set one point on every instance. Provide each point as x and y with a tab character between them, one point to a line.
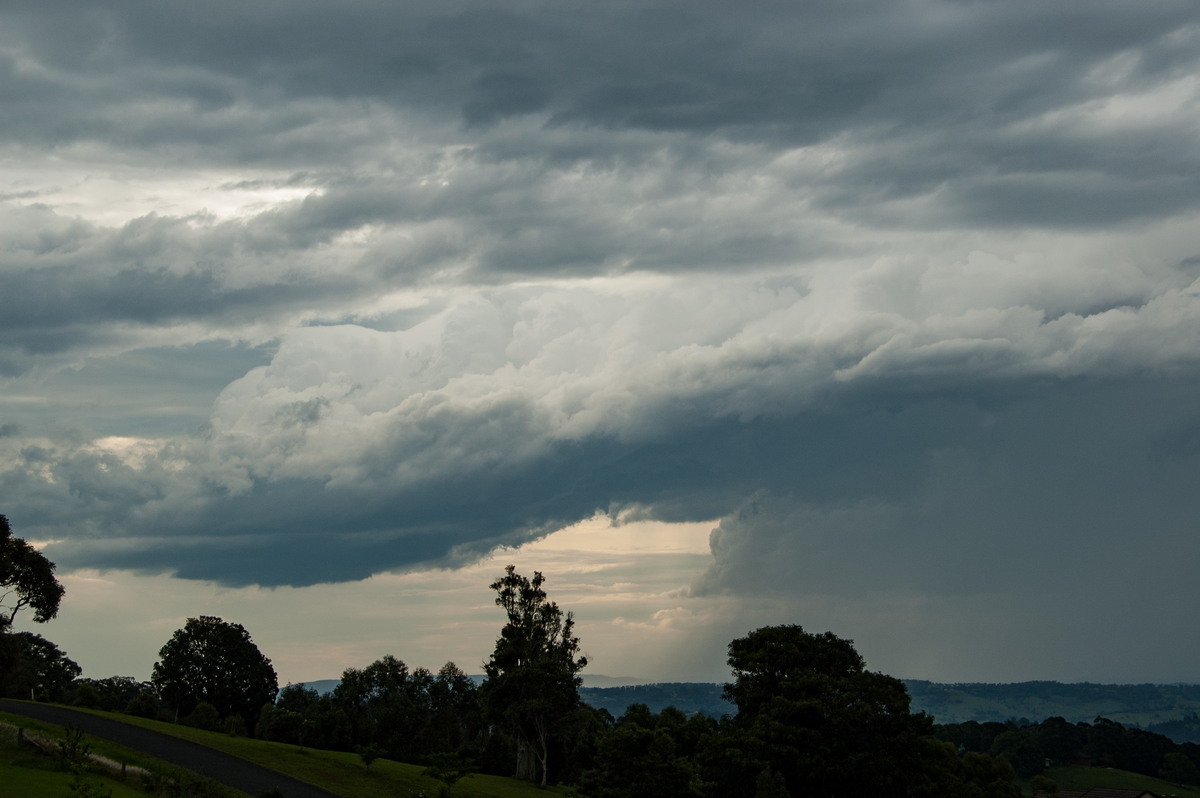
215	662
112	693
37	668
304	717
1178	769
532	685
144	705
1020	747
455	719
388	706
644	756
810	711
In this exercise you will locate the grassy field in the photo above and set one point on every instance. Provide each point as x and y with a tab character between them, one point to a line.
338	772
1083	778
27	773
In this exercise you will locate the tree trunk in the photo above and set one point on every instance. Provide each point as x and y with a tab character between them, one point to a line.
543	747
526	767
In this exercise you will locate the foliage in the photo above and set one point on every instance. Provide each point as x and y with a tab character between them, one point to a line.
770	784
303	717
74	748
387	706
36	667
1185	729
646	755
810	711
144	705
456	721
215	662
532	686
26	580
368	754
1179	769
1103	742
1042	784
112	693
448	769
204	716
1022	750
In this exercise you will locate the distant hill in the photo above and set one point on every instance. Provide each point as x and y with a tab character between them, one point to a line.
322	686
1144	705
689	697
1170	710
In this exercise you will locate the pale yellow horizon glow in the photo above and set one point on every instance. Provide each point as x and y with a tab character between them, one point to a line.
627	585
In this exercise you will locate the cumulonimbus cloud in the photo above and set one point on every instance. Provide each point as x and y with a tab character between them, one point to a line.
496	270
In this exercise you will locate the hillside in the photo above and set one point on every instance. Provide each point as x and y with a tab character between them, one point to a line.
1167	709
1144	705
689	697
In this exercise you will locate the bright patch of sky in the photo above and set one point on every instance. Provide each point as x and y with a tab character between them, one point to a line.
115	622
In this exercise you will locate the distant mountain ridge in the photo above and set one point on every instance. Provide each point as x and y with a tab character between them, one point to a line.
1169	709
1131	704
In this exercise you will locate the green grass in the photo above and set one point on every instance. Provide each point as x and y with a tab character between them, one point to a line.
29	774
338	772
1082	778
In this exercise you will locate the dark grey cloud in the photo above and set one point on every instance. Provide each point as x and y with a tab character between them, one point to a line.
1043	485
70	287
1016	520
978	86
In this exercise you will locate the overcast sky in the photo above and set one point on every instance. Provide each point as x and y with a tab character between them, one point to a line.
877	317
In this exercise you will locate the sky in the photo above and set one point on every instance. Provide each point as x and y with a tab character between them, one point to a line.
877	317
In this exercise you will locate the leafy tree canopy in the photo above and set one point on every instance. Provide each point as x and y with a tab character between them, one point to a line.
810	711
26	580
386	704
212	661
36	667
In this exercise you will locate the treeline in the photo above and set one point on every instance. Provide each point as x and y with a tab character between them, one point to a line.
1031	747
384	709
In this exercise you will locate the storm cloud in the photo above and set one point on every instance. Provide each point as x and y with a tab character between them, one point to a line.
904	297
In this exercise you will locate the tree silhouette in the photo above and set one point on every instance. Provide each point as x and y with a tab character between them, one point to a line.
810	711
215	662
26	580
532	686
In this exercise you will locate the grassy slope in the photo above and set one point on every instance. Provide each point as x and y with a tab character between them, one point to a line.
338	772
32	776
1082	778
29	774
